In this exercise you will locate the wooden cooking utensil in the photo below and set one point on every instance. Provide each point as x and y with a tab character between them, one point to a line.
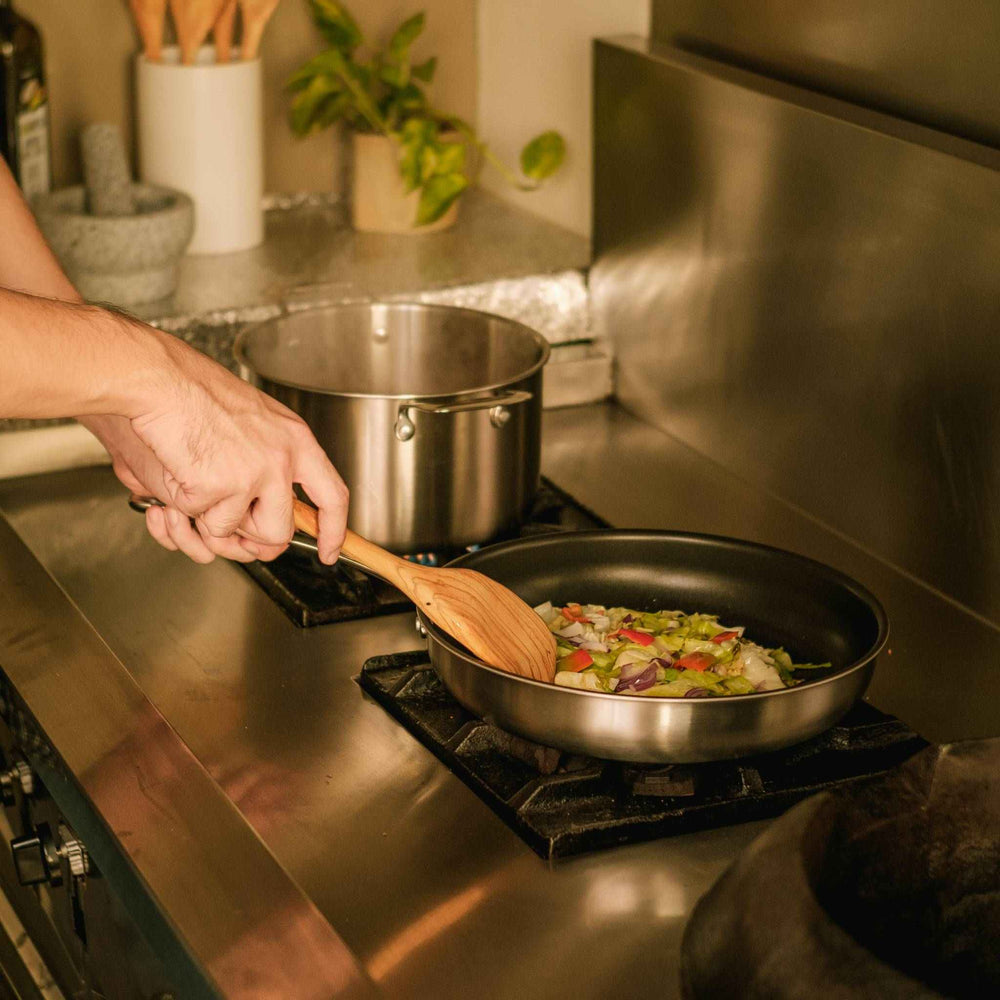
256	14
193	20
493	623
149	15
222	32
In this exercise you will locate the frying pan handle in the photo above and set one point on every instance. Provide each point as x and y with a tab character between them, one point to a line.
497	405
299	540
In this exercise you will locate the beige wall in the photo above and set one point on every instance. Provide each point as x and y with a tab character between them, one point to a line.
89	46
535	74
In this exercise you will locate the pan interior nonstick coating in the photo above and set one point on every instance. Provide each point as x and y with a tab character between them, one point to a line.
816	613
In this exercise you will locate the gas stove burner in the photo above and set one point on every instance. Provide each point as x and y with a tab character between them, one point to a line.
562	804
313	594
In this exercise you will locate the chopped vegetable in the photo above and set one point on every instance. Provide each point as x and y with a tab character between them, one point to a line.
661	654
643	638
695	661
726	636
577	661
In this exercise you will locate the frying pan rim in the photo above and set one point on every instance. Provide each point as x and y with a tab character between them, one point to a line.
639	534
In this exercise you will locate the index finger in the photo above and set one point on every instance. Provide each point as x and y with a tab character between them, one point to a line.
317	476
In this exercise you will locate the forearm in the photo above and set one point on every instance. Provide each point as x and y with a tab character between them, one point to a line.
61	359
26	262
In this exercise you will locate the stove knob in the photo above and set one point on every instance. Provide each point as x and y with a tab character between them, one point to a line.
73	851
17	776
23	775
36	859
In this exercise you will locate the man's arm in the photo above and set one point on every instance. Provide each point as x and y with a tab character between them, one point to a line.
177	424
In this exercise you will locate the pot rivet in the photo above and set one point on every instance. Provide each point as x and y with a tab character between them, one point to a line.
499	416
380	333
404	428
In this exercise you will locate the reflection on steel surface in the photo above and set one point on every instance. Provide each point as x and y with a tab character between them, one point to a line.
431	925
939	68
808	293
249	929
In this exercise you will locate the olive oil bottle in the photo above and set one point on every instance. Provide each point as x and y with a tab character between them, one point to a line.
24	103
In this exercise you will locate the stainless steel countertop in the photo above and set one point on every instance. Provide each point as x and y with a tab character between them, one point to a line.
432	893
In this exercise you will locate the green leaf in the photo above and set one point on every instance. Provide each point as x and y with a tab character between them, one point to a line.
394	75
306	103
425	70
332	109
301	78
413	138
438	195
336	24
405	35
451	158
543	156
330	63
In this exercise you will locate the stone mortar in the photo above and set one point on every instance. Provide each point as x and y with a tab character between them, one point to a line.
124	260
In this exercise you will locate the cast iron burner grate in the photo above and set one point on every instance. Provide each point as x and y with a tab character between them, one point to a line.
562	805
313	594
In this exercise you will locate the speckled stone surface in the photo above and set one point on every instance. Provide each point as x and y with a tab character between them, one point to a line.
310	252
105	170
121	259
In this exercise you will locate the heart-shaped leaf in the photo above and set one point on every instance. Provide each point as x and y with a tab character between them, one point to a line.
543	156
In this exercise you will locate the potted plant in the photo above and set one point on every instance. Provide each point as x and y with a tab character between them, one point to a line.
411	161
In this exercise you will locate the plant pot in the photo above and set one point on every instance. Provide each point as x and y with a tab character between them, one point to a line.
379	202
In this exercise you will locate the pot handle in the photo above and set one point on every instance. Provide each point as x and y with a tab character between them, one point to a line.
497	405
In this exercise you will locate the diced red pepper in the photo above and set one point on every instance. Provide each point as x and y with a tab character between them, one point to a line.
642	638
578	660
694	661
574	613
724	636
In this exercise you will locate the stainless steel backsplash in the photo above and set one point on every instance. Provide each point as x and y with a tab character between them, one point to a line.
808	292
932	61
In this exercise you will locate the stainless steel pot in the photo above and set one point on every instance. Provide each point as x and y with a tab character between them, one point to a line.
432	414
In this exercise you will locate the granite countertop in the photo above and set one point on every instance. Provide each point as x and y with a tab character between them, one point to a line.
311	254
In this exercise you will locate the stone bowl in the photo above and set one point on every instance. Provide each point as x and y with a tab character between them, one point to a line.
119	259
888	889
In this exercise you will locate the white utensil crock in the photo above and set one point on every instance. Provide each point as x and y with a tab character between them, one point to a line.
200	131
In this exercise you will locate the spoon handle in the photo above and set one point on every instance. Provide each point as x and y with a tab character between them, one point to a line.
359	550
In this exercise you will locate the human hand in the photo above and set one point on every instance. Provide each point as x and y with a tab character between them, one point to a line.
213	448
138	469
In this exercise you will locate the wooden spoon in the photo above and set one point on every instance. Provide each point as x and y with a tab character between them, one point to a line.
193	20
222	32
488	619
492	622
256	14
149	15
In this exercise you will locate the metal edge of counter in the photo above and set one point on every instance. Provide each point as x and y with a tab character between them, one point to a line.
224	916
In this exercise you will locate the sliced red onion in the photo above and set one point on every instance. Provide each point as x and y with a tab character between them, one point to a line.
628	619
645	678
697	692
633	669
664	660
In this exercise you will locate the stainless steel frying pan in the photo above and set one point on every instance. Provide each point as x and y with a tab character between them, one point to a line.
813	611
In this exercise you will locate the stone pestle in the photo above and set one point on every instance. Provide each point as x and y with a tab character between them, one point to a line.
105	171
